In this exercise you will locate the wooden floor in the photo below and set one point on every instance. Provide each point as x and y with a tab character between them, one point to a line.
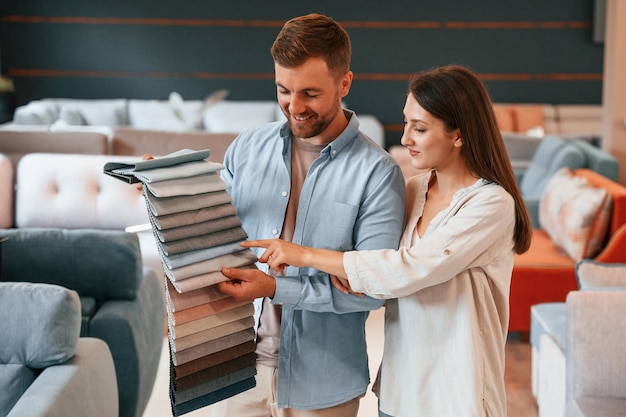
520	400
517	374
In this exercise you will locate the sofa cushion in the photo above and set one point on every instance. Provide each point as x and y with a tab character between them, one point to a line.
41	323
72	116
548	319
575	214
504	117
35	113
154	115
14	381
592	274
229	116
528	116
191	111
95	112
70	191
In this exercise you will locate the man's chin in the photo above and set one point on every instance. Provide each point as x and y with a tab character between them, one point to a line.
303	132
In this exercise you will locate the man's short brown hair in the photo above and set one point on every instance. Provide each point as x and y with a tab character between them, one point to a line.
313	35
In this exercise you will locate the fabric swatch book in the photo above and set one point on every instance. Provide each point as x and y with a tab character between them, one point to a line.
197	232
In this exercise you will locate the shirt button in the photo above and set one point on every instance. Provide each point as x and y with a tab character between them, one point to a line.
274	231
334	152
446	251
284	193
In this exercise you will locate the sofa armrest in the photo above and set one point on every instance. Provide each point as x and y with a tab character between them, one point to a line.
596	365
70	389
134	331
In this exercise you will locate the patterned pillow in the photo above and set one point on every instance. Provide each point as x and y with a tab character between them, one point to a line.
575	215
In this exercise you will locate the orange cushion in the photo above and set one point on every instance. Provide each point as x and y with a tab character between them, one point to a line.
527	116
504	117
543	254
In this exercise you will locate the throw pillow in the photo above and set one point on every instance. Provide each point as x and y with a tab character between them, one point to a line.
528	117
190	111
574	214
504	117
72	116
154	115
237	116
591	274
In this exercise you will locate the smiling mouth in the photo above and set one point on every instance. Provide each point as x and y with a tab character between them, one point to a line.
302	118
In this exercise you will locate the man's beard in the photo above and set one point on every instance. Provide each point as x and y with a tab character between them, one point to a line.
320	123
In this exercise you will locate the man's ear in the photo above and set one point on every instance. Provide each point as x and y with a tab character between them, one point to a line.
346	82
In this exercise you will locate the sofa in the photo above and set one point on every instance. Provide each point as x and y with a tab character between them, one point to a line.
554	153
46	368
582	215
214	115
578	368
121	302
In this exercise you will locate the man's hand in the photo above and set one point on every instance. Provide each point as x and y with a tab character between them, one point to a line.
247	284
144	157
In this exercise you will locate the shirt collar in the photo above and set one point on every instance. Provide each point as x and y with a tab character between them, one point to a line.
345	138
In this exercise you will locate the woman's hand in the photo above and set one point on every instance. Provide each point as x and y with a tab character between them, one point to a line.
343	285
279	254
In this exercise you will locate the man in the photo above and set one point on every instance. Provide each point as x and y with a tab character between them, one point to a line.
318	181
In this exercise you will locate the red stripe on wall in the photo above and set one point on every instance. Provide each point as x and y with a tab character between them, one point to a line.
29	72
86	20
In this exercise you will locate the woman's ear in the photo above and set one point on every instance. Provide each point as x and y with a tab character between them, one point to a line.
458	141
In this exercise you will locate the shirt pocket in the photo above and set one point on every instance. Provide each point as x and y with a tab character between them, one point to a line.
338	220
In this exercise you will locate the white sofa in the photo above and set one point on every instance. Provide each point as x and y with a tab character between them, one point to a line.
212	115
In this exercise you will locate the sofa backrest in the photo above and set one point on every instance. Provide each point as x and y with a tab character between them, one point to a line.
71	191
598	160
618	196
158	143
41	326
552	154
17	143
100	264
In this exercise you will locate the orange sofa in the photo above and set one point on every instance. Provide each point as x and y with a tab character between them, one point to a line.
546	274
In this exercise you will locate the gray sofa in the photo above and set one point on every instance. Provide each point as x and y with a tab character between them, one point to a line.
578	365
45	368
121	302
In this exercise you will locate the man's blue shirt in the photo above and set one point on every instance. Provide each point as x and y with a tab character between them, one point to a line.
352	199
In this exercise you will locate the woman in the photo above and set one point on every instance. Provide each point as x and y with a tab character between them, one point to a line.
447	286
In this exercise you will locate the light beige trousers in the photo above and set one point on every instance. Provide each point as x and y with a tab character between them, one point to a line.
260	401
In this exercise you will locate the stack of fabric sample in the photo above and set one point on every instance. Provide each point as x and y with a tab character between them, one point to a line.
197	231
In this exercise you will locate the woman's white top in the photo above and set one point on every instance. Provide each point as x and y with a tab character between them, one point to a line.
447	315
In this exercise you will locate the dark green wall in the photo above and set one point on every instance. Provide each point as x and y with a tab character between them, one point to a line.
527	51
